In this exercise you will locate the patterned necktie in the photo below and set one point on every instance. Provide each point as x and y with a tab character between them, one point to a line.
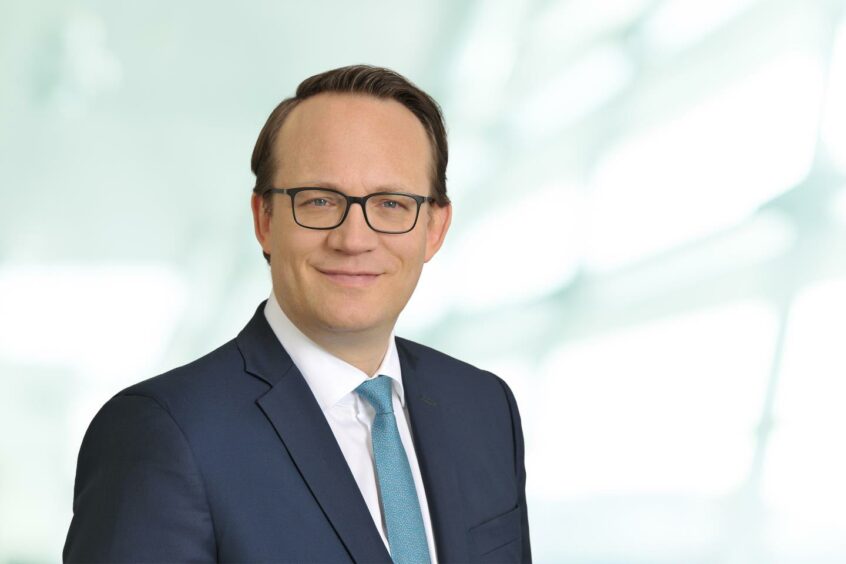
406	535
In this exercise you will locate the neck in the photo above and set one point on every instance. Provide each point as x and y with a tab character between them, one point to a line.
364	352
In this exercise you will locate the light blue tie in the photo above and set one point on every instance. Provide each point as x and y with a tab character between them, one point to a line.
406	535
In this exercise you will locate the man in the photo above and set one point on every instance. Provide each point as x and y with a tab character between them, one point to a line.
316	435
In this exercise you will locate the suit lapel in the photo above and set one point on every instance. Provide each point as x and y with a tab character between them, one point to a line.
427	411
298	420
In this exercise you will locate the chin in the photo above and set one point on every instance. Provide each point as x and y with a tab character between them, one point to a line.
344	320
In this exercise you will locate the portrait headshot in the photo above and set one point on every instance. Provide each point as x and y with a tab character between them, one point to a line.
442	282
316	434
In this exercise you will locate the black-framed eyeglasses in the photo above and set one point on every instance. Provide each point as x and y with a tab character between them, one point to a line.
325	208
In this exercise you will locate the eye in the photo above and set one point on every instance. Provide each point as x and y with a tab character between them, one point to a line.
317	202
392	204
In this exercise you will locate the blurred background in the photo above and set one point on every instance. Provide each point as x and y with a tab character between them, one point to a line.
649	243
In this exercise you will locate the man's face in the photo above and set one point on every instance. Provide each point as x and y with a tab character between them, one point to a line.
351	278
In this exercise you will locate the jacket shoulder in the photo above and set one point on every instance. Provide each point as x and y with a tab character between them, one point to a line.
433	356
450	371
216	373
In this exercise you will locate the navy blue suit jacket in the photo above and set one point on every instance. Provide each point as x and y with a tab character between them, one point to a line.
231	459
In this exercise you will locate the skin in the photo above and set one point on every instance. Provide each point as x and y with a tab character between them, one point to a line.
345	288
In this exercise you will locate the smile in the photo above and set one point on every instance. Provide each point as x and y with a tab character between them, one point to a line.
350	279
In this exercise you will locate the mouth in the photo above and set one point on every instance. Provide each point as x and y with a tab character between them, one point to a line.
349	278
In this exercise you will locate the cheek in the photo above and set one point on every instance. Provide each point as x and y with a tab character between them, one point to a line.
293	244
411	257
289	258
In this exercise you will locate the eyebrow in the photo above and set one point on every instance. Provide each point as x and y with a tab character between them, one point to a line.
399	188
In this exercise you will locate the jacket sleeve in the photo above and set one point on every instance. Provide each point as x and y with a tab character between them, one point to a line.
520	469
139	495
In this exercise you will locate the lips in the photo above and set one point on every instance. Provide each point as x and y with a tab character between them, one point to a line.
350	278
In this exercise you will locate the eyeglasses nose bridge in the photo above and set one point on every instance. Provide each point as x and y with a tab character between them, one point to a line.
361	201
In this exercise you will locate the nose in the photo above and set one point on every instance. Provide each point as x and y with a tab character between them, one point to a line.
353	236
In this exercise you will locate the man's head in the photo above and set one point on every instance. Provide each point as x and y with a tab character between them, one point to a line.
358	130
357	79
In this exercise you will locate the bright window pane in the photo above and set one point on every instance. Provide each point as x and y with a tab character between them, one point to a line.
803	480
665	407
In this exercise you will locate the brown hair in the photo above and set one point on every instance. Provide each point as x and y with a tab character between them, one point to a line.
357	79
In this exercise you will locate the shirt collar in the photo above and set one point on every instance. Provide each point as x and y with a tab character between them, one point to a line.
332	380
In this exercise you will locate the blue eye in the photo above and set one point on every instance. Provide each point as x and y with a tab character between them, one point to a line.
392	204
317	202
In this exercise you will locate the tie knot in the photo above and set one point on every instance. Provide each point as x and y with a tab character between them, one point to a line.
377	392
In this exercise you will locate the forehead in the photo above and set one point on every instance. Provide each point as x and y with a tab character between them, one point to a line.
353	139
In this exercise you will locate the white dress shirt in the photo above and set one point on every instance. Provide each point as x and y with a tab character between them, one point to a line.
333	383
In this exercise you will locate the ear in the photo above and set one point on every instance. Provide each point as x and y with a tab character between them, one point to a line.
261	222
437	226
